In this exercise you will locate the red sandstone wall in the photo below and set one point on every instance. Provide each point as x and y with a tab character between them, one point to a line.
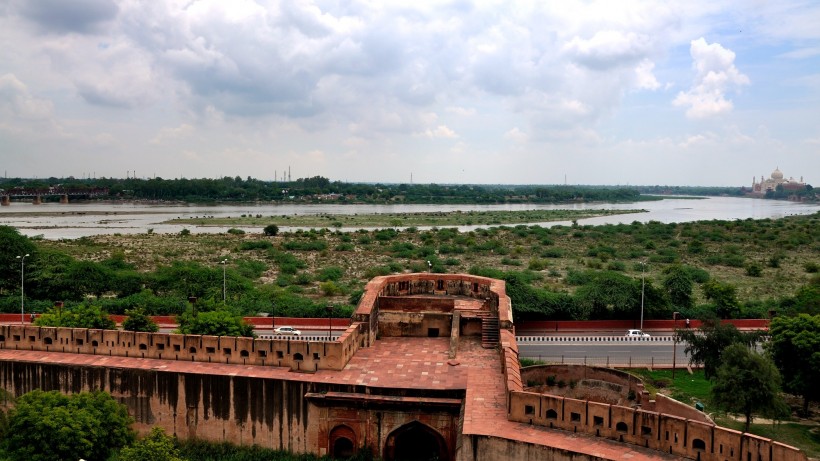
220	408
297	354
671	434
404	304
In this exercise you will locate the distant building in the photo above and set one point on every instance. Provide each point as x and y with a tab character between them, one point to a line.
776	179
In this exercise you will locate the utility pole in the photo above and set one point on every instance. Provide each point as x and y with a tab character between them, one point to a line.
22	287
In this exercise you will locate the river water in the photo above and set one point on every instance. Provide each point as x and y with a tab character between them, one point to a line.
57	221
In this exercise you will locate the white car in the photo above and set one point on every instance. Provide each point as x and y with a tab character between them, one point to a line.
636	334
287	331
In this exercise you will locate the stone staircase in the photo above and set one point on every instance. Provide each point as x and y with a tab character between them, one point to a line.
489	330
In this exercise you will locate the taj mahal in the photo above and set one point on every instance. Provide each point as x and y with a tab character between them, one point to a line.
776	179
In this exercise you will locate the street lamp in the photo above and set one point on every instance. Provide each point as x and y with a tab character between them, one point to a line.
674	341
22	287
643	288
329	321
224	263
273	317
429	266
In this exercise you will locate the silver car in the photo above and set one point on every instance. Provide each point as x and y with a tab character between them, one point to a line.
287	331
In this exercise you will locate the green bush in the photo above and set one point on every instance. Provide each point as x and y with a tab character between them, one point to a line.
271	230
235	231
331	273
255	245
754	270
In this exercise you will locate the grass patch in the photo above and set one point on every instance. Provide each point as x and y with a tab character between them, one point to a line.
685	387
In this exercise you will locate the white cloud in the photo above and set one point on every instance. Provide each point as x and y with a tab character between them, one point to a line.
645	79
441	131
608	49
716	74
516	135
17	101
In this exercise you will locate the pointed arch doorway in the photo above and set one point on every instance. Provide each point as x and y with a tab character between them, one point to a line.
415	441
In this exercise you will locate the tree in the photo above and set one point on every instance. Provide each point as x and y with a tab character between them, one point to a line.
795	349
14	245
748	383
806	300
89	277
138	321
221	322
724	295
271	230
80	316
47	426
678	283
705	345
156	446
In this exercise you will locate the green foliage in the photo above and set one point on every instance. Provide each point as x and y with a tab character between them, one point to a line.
221	322
79	316
156	446
305	245
330	273
330	288
795	349
705	345
271	230
47	426
754	270
138	321
200	450
14	245
235	231
255	245
748	383
678	284
184	232
724	296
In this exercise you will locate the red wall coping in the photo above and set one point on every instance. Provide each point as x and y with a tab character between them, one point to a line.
541	326
548	326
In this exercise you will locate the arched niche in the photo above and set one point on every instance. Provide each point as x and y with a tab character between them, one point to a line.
416	441
342	442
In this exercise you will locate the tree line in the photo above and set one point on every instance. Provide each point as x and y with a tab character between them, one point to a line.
318	188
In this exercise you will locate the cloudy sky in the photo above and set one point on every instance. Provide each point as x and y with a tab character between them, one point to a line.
693	92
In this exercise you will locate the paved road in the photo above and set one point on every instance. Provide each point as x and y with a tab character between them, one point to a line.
605	353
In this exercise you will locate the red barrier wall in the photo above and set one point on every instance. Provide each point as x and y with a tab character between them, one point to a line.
550	326
530	327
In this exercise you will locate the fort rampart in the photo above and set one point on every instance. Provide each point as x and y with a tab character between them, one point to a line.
302	396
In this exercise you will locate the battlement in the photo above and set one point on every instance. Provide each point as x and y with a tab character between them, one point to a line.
302	354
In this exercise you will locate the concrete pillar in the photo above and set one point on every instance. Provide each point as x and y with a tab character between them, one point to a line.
64	199
38	200
5	201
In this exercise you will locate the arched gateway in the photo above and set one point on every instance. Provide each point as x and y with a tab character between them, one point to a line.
415	441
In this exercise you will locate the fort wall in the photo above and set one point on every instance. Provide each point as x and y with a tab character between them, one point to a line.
668	433
296	354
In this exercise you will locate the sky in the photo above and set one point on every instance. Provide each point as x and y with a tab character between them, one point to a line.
693	92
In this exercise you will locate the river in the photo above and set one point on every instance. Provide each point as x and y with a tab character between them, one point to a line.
58	221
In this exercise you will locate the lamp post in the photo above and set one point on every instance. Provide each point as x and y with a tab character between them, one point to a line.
22	287
329	321
224	263
674	341
429	266
273	318
643	289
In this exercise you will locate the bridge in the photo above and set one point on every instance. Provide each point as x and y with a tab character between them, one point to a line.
37	194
